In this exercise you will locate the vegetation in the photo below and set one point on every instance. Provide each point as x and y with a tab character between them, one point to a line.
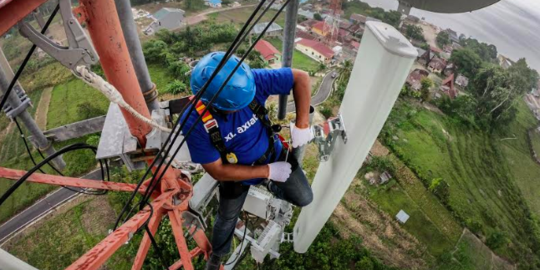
484	188
487	52
494	91
414	32
318	17
391	17
424	90
83	101
443	39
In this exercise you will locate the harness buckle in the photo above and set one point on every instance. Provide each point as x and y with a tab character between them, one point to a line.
208	125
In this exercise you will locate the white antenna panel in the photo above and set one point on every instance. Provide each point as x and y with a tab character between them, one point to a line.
380	69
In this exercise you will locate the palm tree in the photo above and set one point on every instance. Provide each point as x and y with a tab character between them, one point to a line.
345	70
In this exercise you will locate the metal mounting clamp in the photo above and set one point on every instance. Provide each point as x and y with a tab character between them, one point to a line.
25	103
325	136
79	51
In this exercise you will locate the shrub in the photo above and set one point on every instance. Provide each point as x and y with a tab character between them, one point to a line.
441	189
93	140
475	226
326	111
175	87
496	239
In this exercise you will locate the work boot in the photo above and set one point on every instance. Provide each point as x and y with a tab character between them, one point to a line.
214	263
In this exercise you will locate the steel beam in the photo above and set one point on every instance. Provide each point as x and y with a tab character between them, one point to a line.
76	130
40	178
106	33
289	34
14	11
6	75
135	51
97	256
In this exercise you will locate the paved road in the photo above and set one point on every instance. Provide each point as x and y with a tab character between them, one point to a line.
322	94
40	208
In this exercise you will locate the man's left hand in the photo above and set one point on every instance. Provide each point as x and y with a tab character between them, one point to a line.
300	136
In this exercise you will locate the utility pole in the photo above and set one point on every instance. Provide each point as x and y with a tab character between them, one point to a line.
18	110
289	34
136	54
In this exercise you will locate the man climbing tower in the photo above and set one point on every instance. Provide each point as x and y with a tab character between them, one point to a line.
235	141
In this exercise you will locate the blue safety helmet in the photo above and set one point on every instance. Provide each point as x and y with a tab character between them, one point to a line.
239	91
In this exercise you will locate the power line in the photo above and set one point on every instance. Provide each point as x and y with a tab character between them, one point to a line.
214	98
197	97
81	191
18	183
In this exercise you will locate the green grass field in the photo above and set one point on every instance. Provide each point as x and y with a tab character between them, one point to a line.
300	60
392	200
12	145
483	173
240	16
67	97
61	240
520	164
160	76
535	139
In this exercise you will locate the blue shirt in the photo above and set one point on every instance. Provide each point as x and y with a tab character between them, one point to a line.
243	133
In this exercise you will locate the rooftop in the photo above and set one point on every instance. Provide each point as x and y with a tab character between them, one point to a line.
258	28
317	46
266	49
162	13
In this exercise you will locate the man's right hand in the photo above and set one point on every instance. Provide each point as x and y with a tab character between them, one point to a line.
279	171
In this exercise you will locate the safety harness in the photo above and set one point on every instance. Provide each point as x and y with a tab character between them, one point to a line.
212	128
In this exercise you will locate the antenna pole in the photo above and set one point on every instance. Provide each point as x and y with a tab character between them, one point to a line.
135	51
289	34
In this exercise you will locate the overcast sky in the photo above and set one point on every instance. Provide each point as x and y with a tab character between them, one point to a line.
511	25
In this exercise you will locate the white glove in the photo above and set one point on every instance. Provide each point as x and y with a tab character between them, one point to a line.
300	136
279	171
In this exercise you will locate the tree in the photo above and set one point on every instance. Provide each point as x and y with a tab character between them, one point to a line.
392	18
317	17
487	52
526	77
441	189
467	62
154	50
443	39
426	85
415	32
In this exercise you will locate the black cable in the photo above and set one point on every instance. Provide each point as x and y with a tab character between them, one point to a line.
26	144
213	99
26	59
73	147
235	46
81	191
153	240
242	243
196	98
231	49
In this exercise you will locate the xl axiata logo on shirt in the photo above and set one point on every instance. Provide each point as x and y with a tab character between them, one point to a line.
239	130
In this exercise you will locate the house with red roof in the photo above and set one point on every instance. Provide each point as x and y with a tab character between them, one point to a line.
268	52
315	50
321	28
448	87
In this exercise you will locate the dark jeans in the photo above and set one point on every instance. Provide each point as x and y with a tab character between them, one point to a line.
295	190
